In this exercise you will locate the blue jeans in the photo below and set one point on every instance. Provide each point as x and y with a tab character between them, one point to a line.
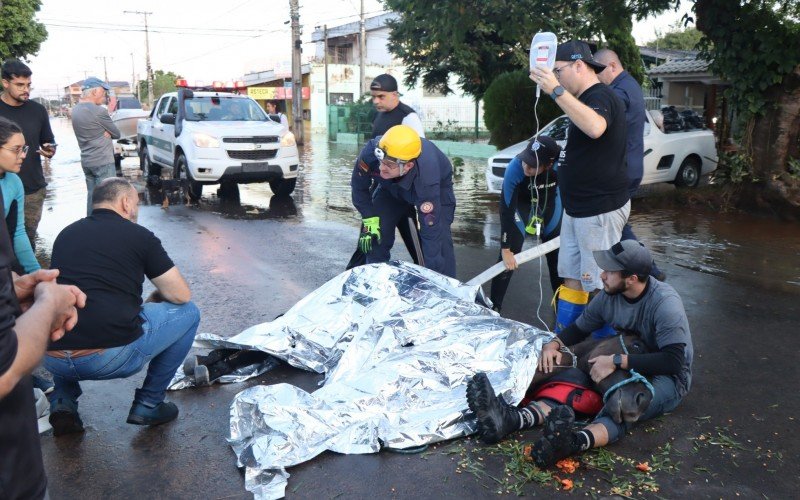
94	176
169	331
665	399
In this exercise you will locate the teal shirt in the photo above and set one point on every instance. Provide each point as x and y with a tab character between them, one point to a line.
12	188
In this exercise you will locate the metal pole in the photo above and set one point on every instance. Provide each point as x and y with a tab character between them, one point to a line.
327	94
362	47
297	73
149	68
134	90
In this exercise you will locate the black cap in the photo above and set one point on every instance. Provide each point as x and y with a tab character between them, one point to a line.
575	49
384	83
543	147
627	255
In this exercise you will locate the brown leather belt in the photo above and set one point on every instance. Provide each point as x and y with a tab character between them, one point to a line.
75	353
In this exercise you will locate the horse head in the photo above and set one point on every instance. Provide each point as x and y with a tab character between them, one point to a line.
628	401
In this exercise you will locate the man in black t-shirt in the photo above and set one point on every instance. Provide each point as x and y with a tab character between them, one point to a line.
592	173
47	311
108	256
15	104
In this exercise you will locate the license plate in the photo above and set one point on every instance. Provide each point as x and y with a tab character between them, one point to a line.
255	167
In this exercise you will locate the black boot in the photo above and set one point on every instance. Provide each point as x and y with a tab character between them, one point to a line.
496	418
557	440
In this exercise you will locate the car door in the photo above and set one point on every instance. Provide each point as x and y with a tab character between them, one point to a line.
163	139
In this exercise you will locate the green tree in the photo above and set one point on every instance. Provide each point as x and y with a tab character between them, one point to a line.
508	109
163	82
678	39
475	40
20	34
754	46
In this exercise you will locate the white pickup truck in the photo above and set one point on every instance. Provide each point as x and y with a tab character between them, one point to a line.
211	137
677	157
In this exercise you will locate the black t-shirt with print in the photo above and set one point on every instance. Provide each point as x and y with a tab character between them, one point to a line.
593	175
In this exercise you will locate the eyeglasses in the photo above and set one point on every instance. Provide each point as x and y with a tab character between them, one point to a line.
557	71
381	155
19	150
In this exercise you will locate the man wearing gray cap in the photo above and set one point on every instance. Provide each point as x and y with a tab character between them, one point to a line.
631	300
94	130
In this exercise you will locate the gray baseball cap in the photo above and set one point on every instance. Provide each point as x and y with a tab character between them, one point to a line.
627	255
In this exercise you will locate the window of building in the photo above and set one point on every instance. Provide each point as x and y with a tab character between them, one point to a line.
340	98
340	54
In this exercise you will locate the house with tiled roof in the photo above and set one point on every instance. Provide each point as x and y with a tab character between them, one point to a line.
686	82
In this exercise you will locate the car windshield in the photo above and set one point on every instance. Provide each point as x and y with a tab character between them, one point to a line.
128	103
223	109
558	129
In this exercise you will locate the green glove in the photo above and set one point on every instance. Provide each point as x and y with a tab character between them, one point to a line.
371	233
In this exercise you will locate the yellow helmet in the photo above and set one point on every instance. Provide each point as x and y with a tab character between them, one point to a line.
401	142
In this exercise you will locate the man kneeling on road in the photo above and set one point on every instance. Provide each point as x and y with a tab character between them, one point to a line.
411	173
631	300
107	255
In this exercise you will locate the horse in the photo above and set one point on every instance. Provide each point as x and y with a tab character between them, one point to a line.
626	395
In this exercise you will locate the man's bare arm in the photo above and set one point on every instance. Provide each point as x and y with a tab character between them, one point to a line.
173	287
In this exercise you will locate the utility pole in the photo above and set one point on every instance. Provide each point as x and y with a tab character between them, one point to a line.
297	72
327	94
148	68
134	90
362	47
105	66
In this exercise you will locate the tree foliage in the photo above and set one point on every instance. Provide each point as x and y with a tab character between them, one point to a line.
754	46
478	40
678	38
510	111
163	82
475	40
20	34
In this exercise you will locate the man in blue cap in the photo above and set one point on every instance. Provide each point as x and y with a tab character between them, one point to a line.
94	130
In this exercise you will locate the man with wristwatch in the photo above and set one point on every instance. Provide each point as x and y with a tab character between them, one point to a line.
631	300
592	175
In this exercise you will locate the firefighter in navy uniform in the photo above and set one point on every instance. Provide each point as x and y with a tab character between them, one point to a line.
390	112
529	204
410	172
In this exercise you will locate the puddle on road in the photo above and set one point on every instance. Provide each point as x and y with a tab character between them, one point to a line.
754	251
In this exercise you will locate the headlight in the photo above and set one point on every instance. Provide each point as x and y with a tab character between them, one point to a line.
205	141
288	139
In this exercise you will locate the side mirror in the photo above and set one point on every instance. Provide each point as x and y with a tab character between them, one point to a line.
168	119
275	118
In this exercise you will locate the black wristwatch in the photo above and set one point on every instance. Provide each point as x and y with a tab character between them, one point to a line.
557	92
618	360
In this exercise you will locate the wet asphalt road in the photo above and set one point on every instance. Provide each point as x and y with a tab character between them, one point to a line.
246	264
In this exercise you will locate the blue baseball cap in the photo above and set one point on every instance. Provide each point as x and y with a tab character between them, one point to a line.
93	82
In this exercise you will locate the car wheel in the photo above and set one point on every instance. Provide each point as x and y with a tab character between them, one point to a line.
688	173
147	166
190	188
283	187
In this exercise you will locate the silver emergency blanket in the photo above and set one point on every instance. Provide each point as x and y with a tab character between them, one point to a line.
397	344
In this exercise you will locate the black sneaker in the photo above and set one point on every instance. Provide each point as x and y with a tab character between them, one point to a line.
162	413
496	418
557	438
64	417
